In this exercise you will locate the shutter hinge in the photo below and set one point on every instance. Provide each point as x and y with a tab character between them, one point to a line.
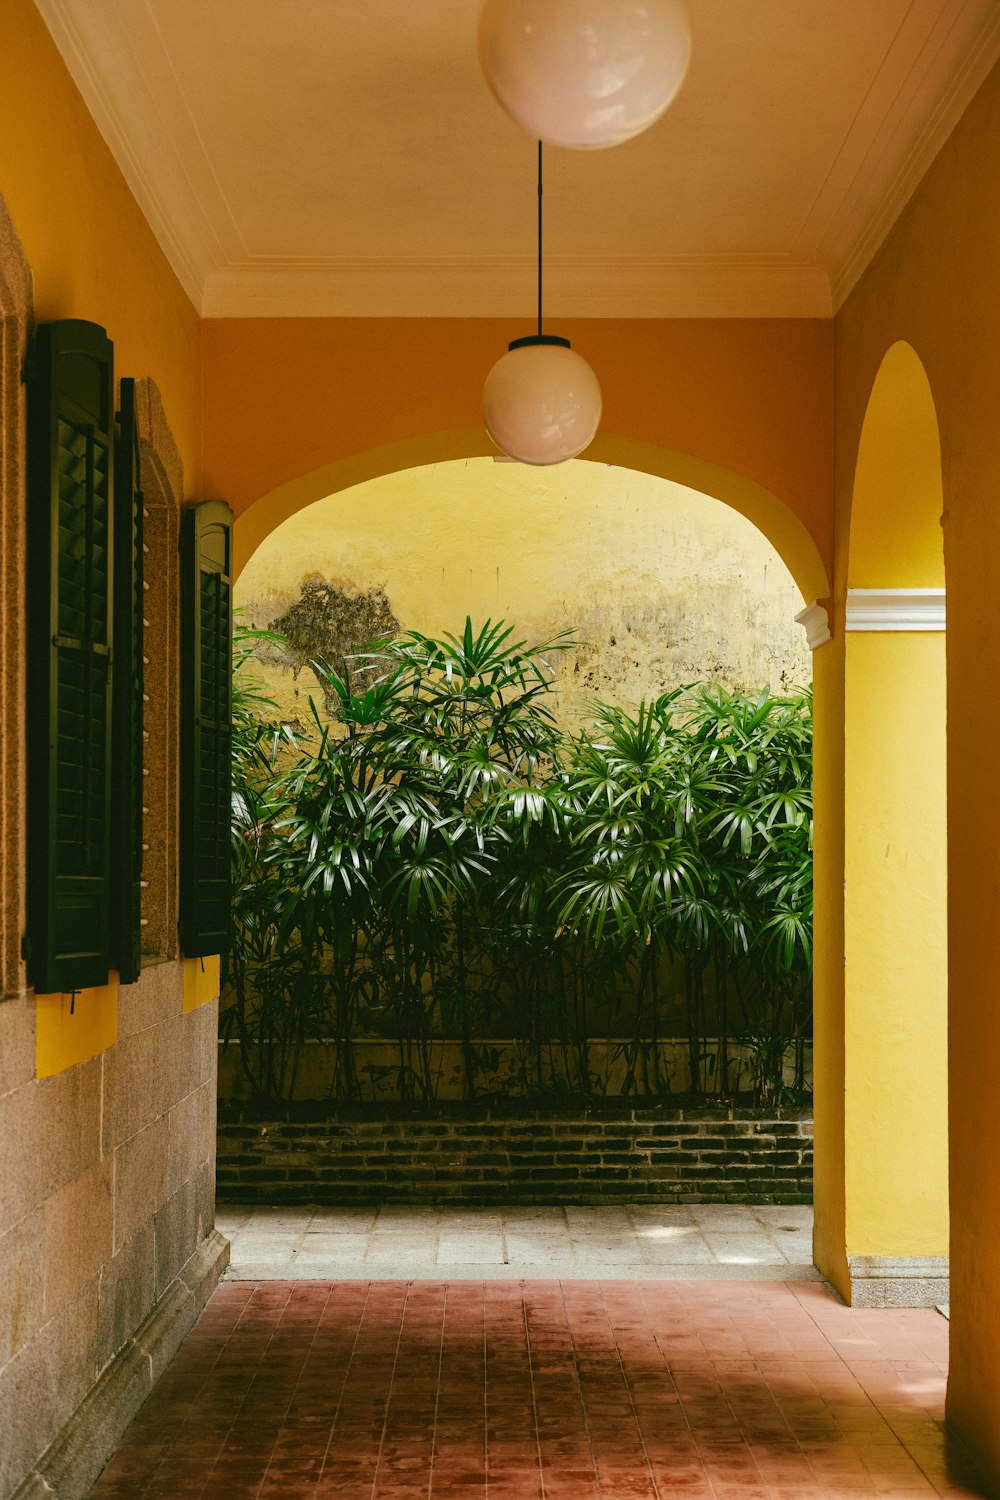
25	947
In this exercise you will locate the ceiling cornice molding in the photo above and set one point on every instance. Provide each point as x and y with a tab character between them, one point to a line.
637	287
865	225
148	158
120	63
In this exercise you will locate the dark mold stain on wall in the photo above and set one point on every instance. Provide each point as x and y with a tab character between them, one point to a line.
330	622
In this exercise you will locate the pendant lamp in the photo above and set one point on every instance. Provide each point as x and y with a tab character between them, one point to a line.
584	73
541	401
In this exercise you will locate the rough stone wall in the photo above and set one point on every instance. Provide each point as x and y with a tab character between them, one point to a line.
640	1156
106	1191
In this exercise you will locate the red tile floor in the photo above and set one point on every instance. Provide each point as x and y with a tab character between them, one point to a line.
543	1390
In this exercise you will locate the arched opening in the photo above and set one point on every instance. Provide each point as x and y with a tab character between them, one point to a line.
659	583
895	925
786	533
410	525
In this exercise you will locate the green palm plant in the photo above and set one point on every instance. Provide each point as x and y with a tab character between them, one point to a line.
758	840
631	859
391	829
437	858
694	840
270	1000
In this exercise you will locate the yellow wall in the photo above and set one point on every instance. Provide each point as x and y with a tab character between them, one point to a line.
660	585
201	981
91	251
93	256
934	284
895	945
69	1029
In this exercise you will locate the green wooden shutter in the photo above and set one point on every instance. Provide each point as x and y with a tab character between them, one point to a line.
206	728
127	745
70	598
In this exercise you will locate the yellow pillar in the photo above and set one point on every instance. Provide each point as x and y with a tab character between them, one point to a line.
829	1189
895	967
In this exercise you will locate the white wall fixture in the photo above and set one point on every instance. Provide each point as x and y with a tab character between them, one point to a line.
895	609
584	73
816	623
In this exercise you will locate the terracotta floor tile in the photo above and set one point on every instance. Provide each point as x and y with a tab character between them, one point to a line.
544	1390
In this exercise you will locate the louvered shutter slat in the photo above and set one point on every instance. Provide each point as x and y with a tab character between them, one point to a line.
206	711
70	559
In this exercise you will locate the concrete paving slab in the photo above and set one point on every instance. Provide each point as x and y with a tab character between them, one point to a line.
634	1242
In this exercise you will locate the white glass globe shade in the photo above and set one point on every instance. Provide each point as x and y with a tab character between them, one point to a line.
541	403
584	73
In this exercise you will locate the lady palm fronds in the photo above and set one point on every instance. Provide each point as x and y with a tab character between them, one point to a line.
441	858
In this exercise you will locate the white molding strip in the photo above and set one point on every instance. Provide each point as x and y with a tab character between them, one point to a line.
725	286
816	623
895	609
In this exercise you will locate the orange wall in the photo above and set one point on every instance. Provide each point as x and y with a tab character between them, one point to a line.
286	396
934	283
91	251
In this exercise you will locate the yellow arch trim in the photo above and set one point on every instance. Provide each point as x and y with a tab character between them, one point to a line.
784	530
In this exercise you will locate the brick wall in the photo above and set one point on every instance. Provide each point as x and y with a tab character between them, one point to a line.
683	1155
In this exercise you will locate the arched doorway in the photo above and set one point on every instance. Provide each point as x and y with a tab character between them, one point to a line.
306	515
895	852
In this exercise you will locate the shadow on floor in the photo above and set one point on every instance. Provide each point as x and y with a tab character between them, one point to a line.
544	1390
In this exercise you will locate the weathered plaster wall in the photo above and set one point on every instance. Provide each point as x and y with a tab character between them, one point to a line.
660	585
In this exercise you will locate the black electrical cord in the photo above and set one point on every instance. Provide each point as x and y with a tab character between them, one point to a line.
539	239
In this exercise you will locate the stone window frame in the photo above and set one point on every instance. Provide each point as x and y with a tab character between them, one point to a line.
162	480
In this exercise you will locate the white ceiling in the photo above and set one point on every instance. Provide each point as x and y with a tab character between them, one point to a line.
345	158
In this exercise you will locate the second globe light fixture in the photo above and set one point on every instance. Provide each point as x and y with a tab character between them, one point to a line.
583	74
541	402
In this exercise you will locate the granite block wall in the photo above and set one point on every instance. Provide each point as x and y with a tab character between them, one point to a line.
106	1195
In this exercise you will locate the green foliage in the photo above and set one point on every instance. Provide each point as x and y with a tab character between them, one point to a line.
439	859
